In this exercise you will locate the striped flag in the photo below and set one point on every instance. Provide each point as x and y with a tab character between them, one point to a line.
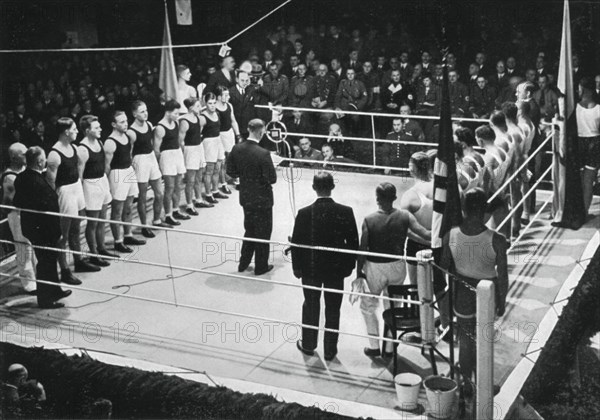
167	80
567	202
447	211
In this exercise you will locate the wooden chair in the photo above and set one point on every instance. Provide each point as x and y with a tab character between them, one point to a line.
402	317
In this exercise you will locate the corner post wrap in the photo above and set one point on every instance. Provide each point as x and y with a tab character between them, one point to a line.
425	287
486	310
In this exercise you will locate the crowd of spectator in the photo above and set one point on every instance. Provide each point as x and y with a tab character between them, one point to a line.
324	67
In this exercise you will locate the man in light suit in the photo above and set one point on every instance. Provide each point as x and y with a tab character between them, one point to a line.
323	223
254	167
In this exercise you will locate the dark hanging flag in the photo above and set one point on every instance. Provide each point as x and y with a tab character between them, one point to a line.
446	198
567	202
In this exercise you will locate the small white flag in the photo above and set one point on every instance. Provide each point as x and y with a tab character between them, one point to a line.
183	10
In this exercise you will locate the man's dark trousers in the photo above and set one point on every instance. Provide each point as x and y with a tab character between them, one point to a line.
46	270
311	310
258	223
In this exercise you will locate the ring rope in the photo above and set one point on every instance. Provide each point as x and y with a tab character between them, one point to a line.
520	203
345	164
365	139
373	114
211	272
518	171
153	47
216	235
533	219
258	21
171	267
222	312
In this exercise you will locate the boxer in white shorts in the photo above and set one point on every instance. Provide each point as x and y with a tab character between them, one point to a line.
190	134
96	191
63	174
384	232
213	149
145	165
172	165
230	131
122	181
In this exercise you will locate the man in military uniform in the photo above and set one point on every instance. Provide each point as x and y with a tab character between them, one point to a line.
322	96
459	94
404	129
300	86
351	96
372	81
276	87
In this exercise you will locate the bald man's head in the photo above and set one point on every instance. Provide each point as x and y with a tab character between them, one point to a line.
16	154
17	374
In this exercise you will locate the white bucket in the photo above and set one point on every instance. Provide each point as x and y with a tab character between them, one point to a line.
408	386
442	396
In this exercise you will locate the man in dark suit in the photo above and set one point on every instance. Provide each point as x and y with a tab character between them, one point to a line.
242	100
224	77
254	167
32	191
482	99
323	223
406	69
299	122
459	94
499	80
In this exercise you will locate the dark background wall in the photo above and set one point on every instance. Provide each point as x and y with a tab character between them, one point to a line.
40	24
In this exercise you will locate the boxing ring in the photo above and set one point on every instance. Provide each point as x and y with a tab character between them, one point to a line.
178	304
179	301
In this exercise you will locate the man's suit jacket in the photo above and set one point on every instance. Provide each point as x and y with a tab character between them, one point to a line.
406	73
305	127
32	191
459	98
499	82
254	167
219	79
482	101
243	106
324	223
433	96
